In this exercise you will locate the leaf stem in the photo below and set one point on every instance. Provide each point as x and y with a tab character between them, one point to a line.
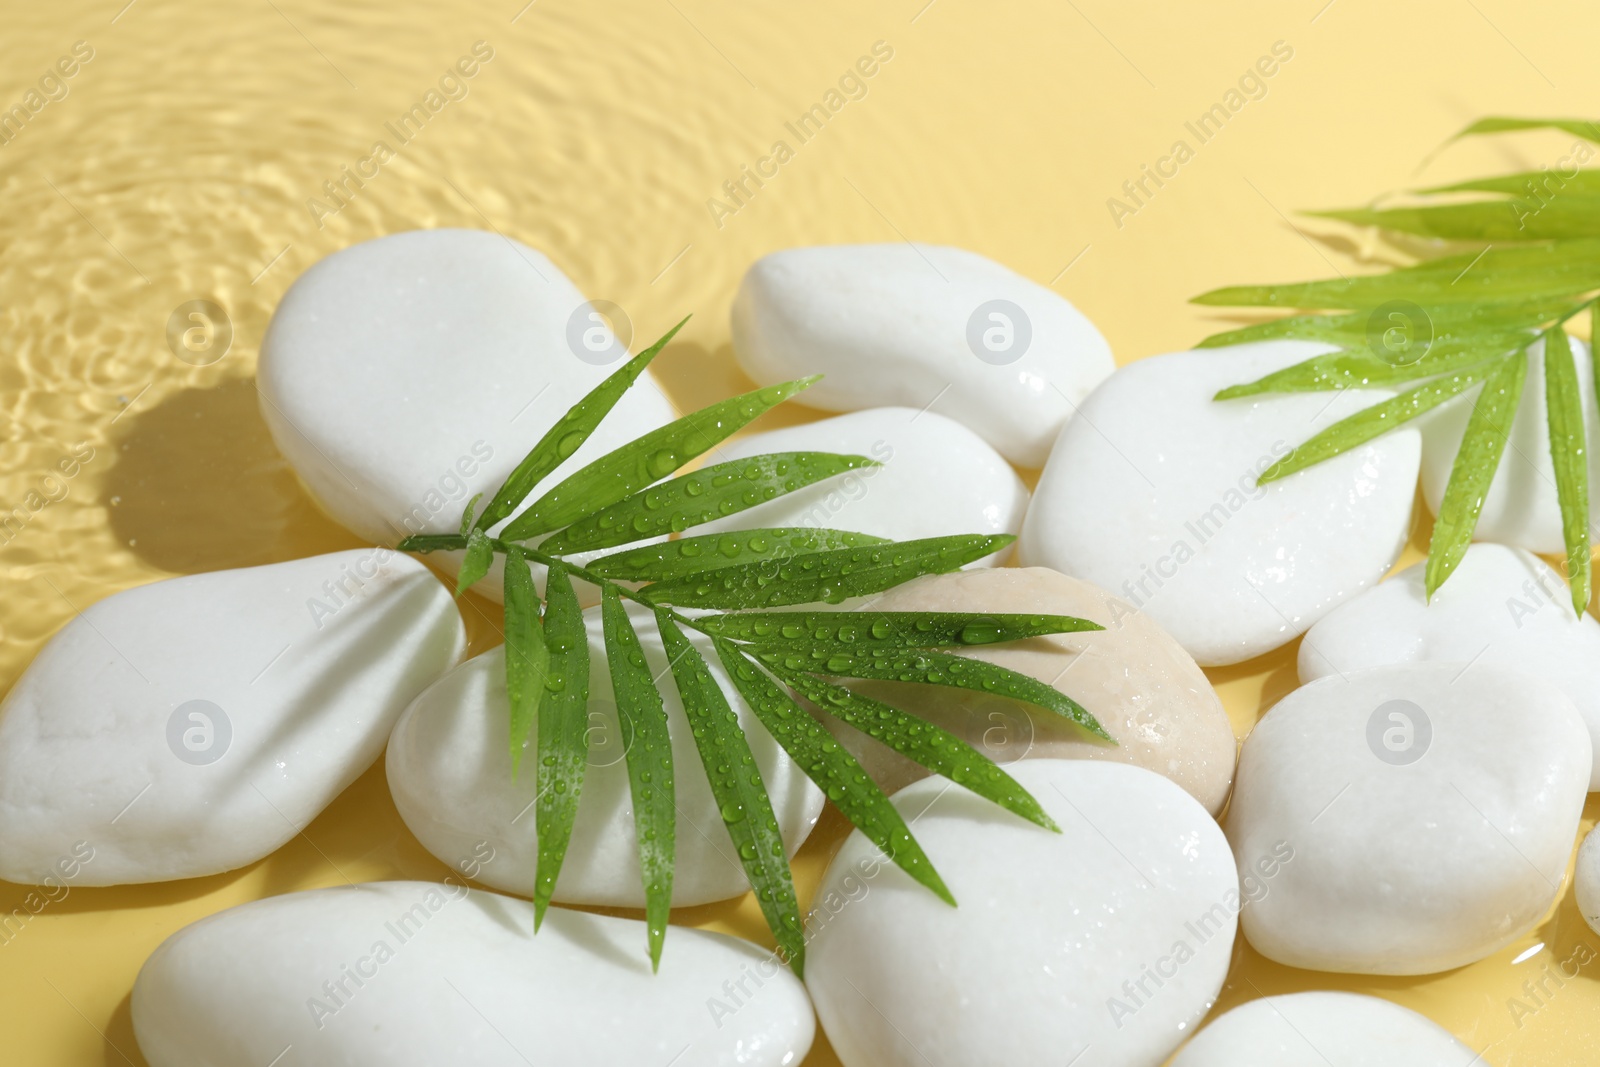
425	543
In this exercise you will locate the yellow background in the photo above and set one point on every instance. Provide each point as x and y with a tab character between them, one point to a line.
180	164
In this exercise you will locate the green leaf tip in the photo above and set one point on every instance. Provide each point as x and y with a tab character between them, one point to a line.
567	435
737	788
648	755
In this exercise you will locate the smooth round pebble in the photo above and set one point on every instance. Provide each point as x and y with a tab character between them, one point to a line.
419	974
1521	507
1588	880
450	776
194	725
1102	946
920	325
402	376
937	478
1502	606
1431	809
1132	677
1324	1029
1152	495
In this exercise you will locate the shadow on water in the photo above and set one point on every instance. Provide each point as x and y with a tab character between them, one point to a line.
197	485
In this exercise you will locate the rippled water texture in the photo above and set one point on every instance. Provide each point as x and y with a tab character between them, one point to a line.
177	164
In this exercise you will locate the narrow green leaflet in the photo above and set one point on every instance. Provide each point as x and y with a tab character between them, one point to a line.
827	763
1355	370
1370	422
699	497
916	739
708	552
643	718
1583	128
1570	458
1571	215
466	514
646	460
737	788
527	655
568	434
563	736
1522	272
929	667
1345	329
1535	185
825	577
1482	444
1454	324
873	630
475	564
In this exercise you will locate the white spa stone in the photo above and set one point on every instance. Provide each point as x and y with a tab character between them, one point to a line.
937	478
1521	507
914	325
194	725
403	375
1132	677
1151	494
1324	1029
1431	808
450	775
1502	606
420	974
1588	880
1054	936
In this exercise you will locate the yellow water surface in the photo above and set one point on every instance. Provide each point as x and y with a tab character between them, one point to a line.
185	156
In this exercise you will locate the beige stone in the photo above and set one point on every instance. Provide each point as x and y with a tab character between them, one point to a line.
1133	677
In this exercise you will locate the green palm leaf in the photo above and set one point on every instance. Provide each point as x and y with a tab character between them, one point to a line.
1360	370
1573	215
938	750
1374	421
831	767
527	656
1586	129
476	563
1570	458
1540	265
874	630
563	735
929	667
614	501
737	788
648	459
830	576
1482	444
1530	272
649	757
701	497
1534	184
709	552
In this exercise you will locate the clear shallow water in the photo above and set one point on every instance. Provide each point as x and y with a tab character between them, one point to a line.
178	166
